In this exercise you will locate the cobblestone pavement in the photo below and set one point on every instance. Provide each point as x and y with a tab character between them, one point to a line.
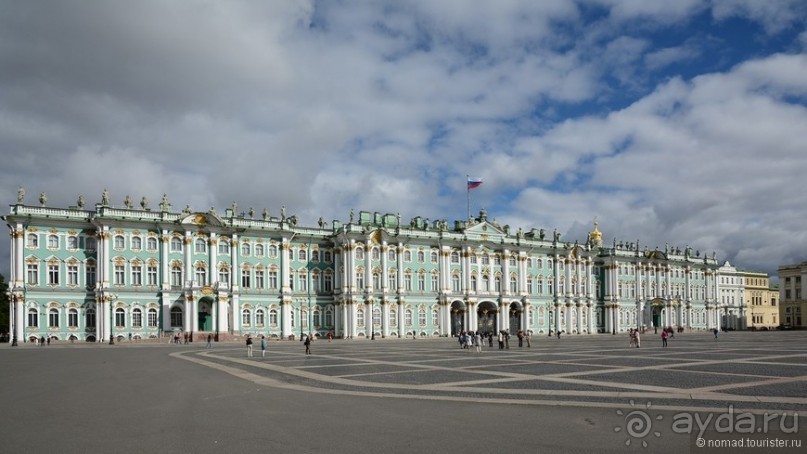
576	394
755	372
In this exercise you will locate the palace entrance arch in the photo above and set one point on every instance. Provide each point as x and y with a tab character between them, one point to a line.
205	314
486	314
458	310
516	312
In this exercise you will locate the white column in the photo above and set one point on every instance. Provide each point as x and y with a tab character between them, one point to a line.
188	265
505	289
17	278
213	272
286	319
385	319
163	262
106	316
19	326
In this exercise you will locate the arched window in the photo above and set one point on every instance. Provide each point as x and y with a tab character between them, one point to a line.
422	317
53	242
33	240
151	243
434	256
152	318
89	318
176	276
176	317
120	318
72	318
245	317
359	253
119	242
328	318
53	318
455	283
201	276
376	316
317	319
408	317
273	317
376	254
224	246
272	251
455	257
421	257
137	318
407	256
33	318
259	318
259	250
137	243
72	242
200	246
360	318
176	244
246	249
391	255
224	275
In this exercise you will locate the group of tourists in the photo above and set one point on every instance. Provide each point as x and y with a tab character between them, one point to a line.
473	340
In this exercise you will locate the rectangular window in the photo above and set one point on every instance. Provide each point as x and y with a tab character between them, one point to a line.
421	283
327	283
151	275
72	318
33	274
245	281
72	275
33	319
259	278
360	280
120	275
435	284
137	274
273	279
392	282
137	318
53	274
90	275
303	278
408	282
152	318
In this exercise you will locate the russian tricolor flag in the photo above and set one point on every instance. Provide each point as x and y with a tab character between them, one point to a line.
474	183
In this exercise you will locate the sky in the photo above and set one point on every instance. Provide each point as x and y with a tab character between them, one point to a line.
680	123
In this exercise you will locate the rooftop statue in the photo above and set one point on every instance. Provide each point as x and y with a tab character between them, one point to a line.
20	194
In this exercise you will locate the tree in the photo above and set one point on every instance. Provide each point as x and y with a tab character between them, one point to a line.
4	327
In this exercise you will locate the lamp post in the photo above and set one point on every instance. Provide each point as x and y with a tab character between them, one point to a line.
14	320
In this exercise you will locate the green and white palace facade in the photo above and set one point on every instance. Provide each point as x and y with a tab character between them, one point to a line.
88	274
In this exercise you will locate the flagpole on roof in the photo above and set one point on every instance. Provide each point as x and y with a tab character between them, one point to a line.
468	194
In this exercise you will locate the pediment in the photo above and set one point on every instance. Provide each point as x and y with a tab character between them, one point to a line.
485	228
202	219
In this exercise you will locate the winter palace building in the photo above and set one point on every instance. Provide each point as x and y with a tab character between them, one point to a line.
89	274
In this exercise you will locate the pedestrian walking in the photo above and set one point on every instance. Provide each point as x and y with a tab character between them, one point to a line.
307	343
501	341
527	338
636	339
249	346
478	342
507	340
715	330
664	335
263	346
209	341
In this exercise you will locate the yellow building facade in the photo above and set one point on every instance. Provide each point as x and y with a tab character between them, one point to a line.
762	300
